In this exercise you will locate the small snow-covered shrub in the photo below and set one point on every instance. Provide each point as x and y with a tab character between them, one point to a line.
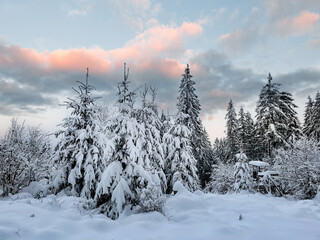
38	189
222	179
151	199
299	169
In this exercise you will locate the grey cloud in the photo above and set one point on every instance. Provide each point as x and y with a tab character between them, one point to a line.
220	81
17	98
302	82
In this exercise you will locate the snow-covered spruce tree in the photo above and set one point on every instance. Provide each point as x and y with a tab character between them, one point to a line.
220	150
208	159
232	126
78	155
245	132
166	123
241	130
251	140
127	173
276	117
242	173
188	103
315	119
292	130
181	164
260	146
299	169
152	151
308	124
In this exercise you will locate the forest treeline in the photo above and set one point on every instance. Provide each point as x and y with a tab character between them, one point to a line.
134	155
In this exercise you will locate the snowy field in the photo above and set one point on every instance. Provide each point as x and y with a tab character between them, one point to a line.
189	216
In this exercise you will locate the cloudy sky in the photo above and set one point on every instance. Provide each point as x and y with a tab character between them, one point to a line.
231	46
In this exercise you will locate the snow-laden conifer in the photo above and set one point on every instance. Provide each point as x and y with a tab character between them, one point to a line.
308	124
81	143
315	119
127	172
245	133
206	158
251	140
220	150
152	149
292	130
242	174
188	103
276	117
232	126
180	160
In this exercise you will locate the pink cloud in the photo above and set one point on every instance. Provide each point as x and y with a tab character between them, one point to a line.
156	48
305	21
15	55
225	36
212	118
300	24
77	60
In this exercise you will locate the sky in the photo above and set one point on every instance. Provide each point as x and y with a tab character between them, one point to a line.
231	46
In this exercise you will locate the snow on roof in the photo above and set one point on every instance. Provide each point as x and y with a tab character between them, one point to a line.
268	173
259	163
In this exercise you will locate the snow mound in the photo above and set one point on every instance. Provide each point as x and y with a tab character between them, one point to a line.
259	163
178	188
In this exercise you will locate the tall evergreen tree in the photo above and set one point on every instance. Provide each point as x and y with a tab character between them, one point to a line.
207	159
189	105
308	124
181	164
220	150
232	126
315	129
241	131
292	130
251	140
260	147
127	172
276	117
152	150
269	115
79	152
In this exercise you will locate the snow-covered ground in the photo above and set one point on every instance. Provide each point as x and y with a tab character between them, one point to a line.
189	216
